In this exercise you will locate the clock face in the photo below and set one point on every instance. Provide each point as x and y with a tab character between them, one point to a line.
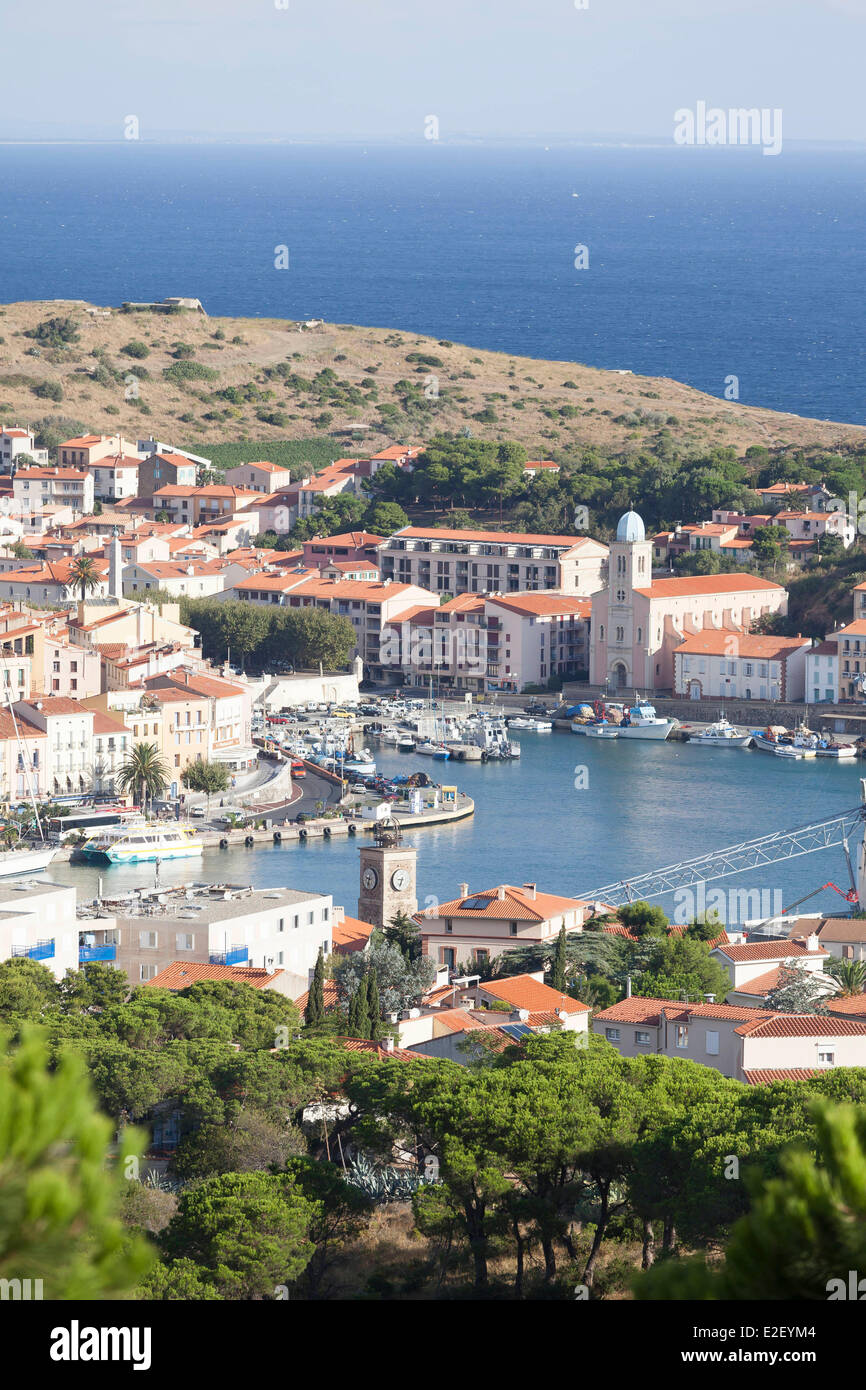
370	879
399	880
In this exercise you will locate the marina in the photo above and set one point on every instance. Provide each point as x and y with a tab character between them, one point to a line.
589	814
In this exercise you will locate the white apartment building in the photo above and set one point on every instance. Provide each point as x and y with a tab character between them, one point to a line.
38	922
33	488
475	562
115	477
748	1044
15	441
68	728
727	664
273	929
822	673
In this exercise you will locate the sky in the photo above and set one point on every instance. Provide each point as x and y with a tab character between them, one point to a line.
377	69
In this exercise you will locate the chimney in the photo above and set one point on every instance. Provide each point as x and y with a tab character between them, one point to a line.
813	943
709	999
464	890
628	986
388	1043
500	893
532	890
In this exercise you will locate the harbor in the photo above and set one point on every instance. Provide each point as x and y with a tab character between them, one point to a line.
591	813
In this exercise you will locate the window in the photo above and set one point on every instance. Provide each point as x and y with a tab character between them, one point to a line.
184	941
281	925
147	940
826	1059
641	1038
146	972
682	1035
512	927
712	1044
612	1034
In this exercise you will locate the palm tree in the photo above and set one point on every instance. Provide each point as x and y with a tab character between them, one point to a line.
84	573
851	976
144	774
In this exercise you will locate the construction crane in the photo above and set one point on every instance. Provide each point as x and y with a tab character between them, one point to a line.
749	854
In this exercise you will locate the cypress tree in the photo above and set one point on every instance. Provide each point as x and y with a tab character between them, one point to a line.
557	975
315	1010
374	1008
362	1011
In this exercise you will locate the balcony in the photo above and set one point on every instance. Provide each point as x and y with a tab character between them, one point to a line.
238	955
89	953
43	950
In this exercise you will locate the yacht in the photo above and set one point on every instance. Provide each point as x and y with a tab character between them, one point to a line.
405	743
722	734
142	844
25	861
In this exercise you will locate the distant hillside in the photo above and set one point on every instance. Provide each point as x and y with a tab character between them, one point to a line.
201	381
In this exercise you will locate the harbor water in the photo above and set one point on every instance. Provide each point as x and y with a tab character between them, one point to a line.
571	815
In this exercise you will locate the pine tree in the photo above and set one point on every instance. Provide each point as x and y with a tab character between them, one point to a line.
315	1010
557	976
362	1018
374	1008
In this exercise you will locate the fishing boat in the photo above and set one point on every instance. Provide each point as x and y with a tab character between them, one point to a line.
601	730
142	844
768	739
362	763
640	720
830	749
722	734
792	750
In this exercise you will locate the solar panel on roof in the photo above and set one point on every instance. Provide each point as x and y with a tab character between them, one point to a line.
516	1030
475	903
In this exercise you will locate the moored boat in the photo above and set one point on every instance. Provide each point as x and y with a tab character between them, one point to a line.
722	734
142	844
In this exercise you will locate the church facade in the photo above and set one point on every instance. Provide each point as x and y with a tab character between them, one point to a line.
638	622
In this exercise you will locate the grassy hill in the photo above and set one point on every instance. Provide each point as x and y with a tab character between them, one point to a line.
272	385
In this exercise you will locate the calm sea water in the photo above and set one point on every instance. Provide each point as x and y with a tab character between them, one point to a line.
702	263
646	806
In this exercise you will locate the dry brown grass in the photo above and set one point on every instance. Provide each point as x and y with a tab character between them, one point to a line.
600	396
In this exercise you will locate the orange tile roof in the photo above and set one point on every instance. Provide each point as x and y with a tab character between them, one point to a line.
851	1005
763	1076
351	935
647	1010
761	985
455	1021
348	538
856	629
524	992
517	904
399	1054
698	584
768	950
183	973
55	704
731	643
802	1026
329	992
544	605
25	728
104	724
502	537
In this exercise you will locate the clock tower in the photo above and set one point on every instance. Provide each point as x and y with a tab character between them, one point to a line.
387	877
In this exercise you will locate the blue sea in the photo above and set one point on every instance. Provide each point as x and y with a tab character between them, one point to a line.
703	264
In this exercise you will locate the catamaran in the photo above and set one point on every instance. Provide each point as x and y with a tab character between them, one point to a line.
142	844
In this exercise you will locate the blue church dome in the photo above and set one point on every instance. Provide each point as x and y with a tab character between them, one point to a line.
630	527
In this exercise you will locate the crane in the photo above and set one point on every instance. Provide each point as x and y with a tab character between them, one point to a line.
749	854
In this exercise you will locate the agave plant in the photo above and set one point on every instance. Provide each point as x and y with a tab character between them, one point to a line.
384	1184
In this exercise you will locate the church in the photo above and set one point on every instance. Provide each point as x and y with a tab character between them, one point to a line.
638	622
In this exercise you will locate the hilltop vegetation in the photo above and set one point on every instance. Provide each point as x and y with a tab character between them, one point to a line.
204	380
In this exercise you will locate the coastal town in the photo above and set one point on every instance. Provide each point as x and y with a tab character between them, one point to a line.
213	672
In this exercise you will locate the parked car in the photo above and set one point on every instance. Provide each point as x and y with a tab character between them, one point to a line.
198	812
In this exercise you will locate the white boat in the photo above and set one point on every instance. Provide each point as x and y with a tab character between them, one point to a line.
406	744
25	861
607	731
427	748
790	750
539	726
391	736
722	734
836	750
142	844
641	721
360	763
